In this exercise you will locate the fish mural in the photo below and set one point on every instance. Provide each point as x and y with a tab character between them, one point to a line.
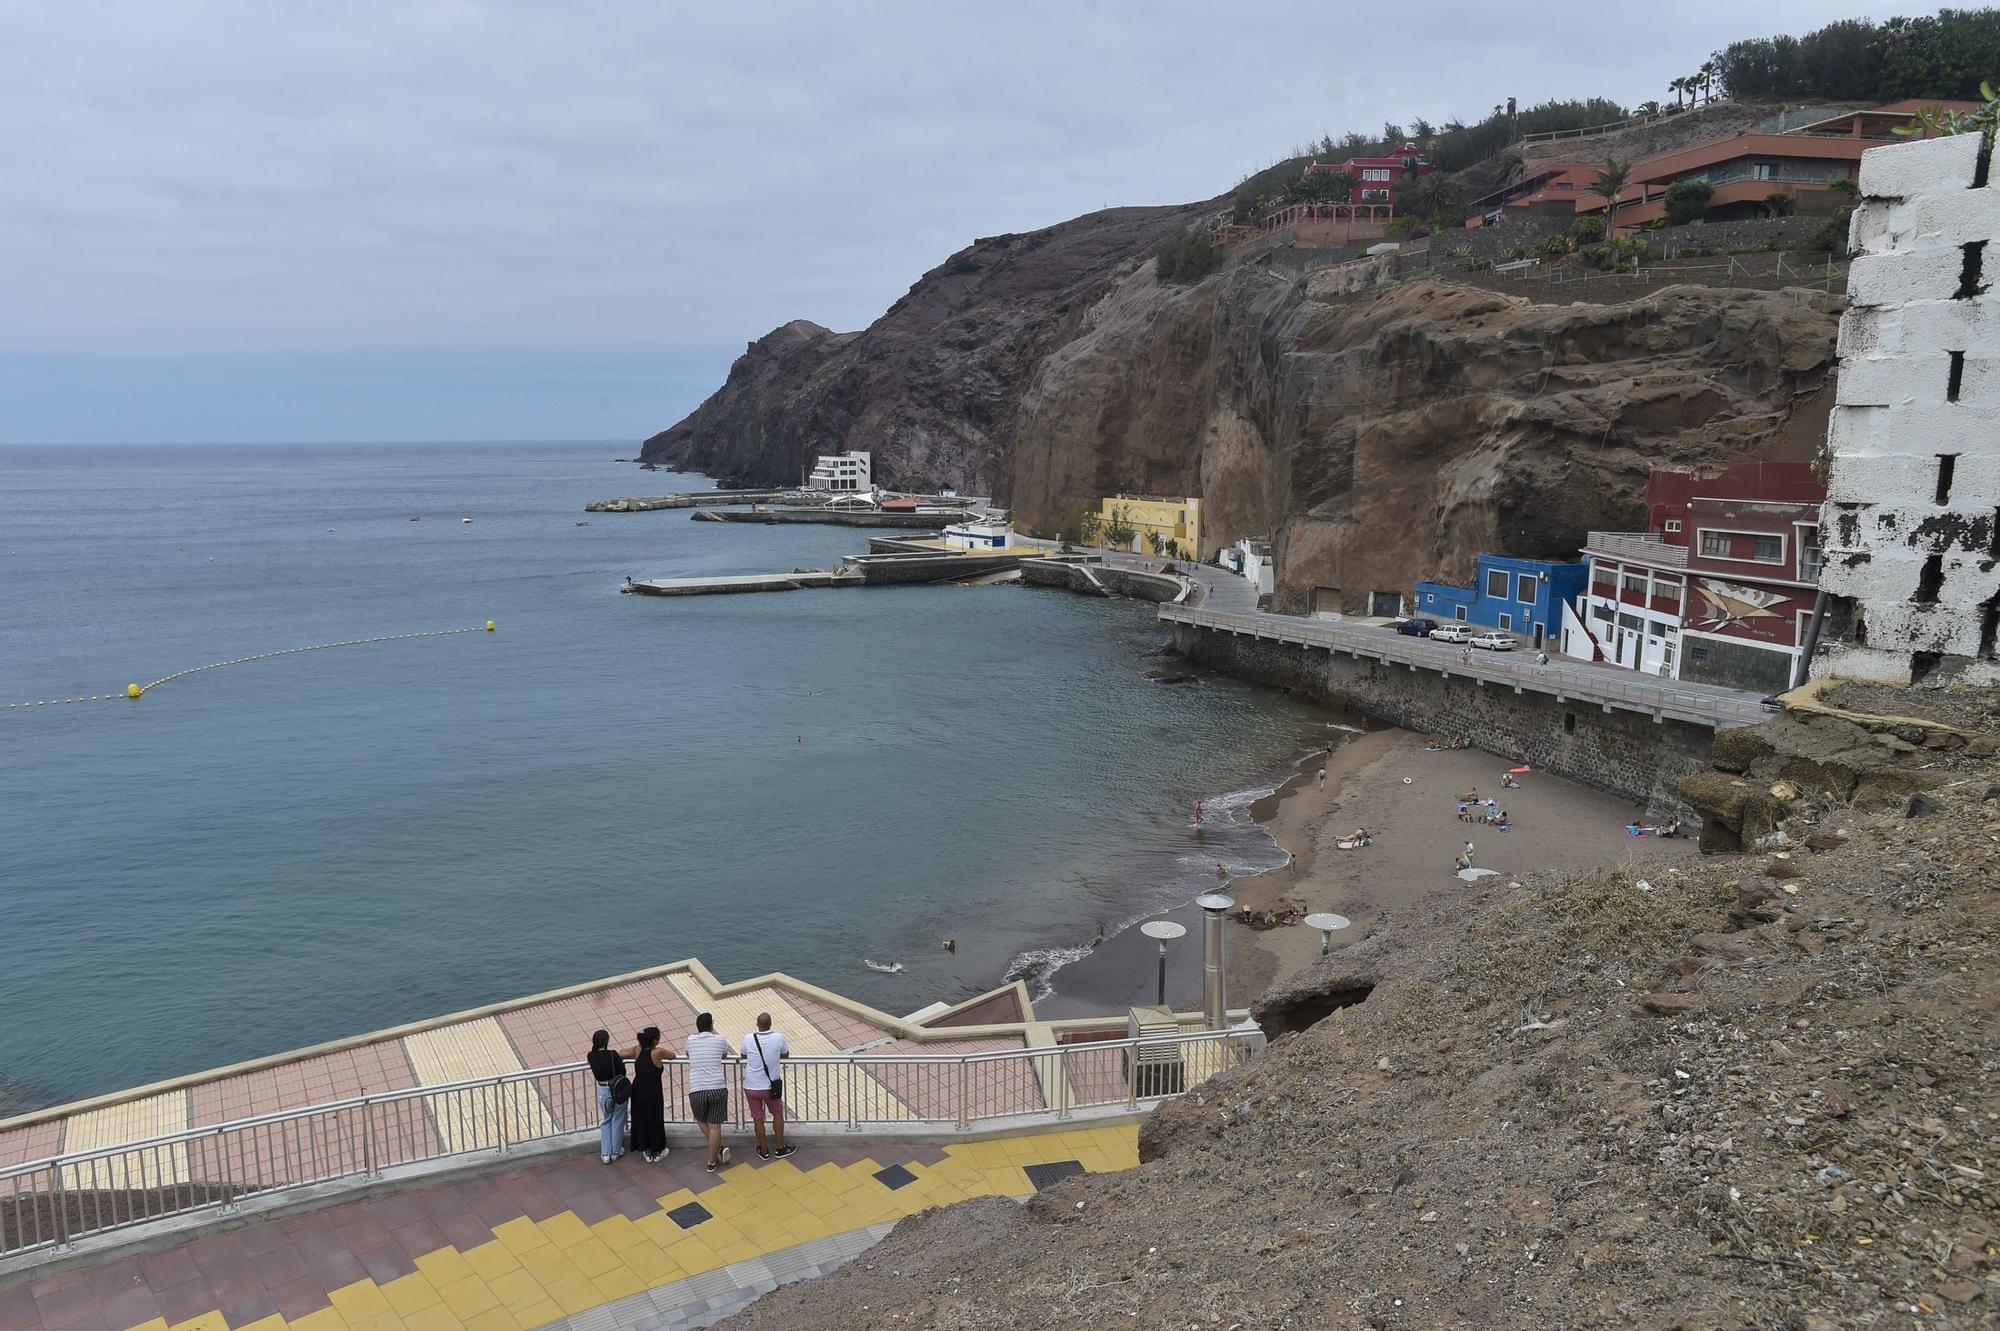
1727	604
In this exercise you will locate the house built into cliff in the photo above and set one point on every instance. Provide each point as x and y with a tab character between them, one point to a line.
1175	522
1718	589
1525	597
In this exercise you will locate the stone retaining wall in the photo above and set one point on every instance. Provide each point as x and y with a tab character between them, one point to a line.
1627	753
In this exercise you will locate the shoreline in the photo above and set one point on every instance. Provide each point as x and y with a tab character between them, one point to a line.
1559	826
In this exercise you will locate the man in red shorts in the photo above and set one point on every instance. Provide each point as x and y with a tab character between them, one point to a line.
764	1054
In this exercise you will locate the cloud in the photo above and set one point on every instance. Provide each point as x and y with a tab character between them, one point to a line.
211	185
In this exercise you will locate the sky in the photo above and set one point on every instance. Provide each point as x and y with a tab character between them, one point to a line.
439	219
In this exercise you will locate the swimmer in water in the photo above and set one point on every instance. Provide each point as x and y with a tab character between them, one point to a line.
1197	811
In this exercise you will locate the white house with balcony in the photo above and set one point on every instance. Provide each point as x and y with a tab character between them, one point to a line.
842	473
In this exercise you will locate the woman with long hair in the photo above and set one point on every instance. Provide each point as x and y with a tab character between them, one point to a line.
649	1097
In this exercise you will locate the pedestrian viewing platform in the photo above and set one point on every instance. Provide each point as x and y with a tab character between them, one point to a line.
1563	678
438	1175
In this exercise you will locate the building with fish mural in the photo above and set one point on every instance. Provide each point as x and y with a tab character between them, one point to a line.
1719	588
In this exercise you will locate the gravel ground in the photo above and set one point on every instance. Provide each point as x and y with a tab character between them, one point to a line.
1962	708
1753	1091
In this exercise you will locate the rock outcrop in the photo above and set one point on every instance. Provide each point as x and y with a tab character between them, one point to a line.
931	388
1380	433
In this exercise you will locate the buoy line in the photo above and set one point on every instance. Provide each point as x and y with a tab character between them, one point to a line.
136	690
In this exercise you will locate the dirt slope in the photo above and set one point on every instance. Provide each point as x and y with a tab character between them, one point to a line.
1762	1093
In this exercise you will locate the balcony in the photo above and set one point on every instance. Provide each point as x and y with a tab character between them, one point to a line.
1645	546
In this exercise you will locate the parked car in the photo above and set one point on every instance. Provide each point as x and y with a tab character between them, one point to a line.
1493	641
1451	633
1416	628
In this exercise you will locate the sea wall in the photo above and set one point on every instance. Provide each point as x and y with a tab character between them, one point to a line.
1627	753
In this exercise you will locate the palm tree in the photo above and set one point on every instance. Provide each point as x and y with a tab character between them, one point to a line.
1437	197
1649	109
1678	86
1611	178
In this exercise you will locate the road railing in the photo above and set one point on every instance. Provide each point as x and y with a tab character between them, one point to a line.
1598	684
53	1202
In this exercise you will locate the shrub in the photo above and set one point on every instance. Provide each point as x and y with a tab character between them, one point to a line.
1556	246
1587	230
1832	238
1186	255
1687	201
1780	203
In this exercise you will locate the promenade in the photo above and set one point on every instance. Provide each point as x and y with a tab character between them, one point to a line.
1228	603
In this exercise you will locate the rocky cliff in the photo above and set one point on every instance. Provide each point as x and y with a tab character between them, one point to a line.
932	387
1380	434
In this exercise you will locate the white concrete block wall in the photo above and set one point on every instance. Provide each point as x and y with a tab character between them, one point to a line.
1918	577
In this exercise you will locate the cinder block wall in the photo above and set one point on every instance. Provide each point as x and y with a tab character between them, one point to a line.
1911	527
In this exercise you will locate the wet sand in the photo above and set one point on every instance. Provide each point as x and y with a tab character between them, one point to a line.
1558	826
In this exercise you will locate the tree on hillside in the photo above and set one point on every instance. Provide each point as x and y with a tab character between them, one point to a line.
1687	201
1185	255
1610	181
1942	55
1678	86
1780	203
1437	197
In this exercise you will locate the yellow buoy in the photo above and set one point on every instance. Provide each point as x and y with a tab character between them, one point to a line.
133	690
489	626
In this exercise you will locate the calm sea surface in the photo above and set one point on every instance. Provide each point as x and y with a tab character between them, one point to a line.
282	852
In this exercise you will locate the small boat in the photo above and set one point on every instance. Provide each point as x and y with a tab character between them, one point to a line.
583	524
465	519
889	968
416	519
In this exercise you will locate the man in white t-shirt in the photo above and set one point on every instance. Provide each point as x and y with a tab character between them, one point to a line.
764	1054
708	1086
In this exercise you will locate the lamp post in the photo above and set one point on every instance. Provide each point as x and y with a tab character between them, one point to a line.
1328	924
1214	983
1165	931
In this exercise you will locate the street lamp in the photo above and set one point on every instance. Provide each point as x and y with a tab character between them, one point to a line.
1328	924
1165	931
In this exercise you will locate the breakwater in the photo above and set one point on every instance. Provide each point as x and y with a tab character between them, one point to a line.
829	517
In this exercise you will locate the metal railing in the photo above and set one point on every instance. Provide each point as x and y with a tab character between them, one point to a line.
1649	546
53	1202
1605	685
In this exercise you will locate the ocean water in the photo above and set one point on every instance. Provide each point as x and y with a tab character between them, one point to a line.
281	852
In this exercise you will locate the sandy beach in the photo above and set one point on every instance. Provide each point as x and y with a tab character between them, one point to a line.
1557	826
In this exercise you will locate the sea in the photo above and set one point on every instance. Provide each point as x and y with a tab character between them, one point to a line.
293	848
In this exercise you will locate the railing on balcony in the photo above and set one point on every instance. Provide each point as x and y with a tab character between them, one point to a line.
51	1203
1649	546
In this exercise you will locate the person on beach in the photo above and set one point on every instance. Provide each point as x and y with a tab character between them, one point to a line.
1468	854
708	1087
1197	811
1322	778
1222	873
649	1097
764	1054
608	1069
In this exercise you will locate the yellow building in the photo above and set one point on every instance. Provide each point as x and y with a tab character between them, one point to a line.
1175	521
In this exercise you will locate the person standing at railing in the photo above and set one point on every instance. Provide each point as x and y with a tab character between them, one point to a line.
649	1097
609	1070
764	1055
708	1086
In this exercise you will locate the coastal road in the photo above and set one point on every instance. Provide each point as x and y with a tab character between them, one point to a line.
1229	602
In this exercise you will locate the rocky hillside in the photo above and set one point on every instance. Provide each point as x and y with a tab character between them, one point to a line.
1758	1093
1392	433
1380	435
932	387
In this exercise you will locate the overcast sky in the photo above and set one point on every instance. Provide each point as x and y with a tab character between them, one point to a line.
412	220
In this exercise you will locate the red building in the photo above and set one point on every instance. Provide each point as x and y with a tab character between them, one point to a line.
1718	588
1376	178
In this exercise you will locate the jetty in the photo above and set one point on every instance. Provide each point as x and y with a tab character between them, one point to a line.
744	582
834	517
693	499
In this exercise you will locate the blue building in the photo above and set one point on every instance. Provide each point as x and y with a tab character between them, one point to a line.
1524	597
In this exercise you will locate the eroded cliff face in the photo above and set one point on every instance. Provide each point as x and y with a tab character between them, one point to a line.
931	388
1380	435
1391	434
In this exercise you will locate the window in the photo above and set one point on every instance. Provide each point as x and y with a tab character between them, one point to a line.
1770	549
1629	622
1507	621
1375	173
1496	584
1600	612
1458	613
1810	558
1715	545
1527	587
1635	583
1764	171
1672	525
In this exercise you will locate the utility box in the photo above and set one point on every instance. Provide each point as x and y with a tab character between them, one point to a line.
1154	1069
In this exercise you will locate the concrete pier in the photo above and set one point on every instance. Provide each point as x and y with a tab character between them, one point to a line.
832	517
688	499
743	582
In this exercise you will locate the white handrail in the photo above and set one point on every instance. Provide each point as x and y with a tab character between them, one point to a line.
53	1201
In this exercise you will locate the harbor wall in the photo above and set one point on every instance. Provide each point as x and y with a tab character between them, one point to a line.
1627	753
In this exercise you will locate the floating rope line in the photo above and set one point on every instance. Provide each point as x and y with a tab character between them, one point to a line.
135	690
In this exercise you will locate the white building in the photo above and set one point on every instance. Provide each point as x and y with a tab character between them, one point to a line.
976	535
841	472
1253	560
1912	537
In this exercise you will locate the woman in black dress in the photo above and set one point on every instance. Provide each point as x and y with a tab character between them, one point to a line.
649	1100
